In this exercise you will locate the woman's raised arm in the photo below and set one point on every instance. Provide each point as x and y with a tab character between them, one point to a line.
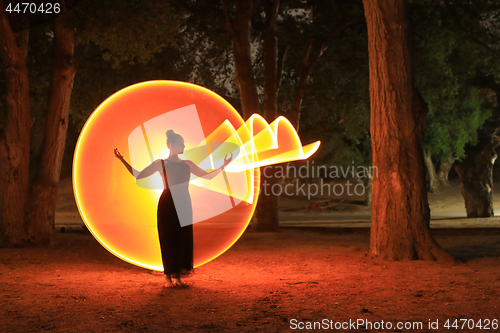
199	172
148	171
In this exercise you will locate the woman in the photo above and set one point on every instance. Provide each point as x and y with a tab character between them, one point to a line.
176	241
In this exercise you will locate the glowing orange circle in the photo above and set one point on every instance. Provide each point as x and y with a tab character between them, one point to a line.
122	215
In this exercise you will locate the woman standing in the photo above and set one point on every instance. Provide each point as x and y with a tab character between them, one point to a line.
176	241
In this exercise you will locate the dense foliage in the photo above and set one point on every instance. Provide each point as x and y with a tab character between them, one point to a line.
455	43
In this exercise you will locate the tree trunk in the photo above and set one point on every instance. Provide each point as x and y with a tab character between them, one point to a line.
444	171
267	211
400	211
241	42
431	174
368	181
266	216
15	137
476	177
42	204
240	36
270	62
300	90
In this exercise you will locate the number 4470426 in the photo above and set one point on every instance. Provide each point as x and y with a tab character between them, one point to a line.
33	8
463	324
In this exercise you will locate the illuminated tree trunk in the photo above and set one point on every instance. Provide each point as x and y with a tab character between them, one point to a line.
15	136
400	211
42	204
27	217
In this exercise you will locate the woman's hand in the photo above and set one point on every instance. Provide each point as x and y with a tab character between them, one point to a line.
144	173
118	155
227	160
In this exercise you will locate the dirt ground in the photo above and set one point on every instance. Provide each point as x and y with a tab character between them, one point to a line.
267	282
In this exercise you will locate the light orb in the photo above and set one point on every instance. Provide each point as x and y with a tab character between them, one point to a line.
119	212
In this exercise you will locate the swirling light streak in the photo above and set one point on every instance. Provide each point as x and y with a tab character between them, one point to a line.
122	215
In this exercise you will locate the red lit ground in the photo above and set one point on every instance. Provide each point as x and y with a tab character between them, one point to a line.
259	285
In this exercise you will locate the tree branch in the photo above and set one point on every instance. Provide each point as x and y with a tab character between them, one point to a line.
305	59
270	60
308	65
227	20
470	34
281	59
335	31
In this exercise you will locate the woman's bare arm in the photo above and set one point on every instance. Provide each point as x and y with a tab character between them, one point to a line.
148	171
199	172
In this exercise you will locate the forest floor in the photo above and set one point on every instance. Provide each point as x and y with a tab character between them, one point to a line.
266	282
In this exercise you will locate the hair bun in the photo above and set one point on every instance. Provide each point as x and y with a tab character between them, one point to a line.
170	134
173	137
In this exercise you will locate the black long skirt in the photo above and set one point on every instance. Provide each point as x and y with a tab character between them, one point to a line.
176	242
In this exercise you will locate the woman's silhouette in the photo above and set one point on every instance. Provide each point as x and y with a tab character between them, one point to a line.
176	242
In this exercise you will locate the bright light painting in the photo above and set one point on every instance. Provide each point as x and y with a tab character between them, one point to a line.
121	212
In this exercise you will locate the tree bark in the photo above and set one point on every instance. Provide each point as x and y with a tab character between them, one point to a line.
476	177
15	137
433	184
270	61
42	204
444	171
300	90
267	212
266	216
241	42
400	211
